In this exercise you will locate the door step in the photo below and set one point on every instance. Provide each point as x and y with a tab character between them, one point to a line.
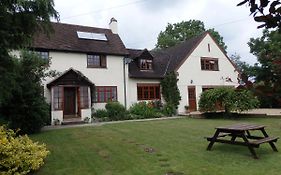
73	121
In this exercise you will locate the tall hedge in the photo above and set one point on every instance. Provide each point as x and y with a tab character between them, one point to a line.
170	90
229	99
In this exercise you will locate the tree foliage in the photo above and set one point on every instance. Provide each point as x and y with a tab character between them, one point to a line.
19	21
244	68
267	49
270	19
170	90
178	32
27	108
229	99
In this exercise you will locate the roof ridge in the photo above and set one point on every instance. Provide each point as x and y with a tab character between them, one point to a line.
67	24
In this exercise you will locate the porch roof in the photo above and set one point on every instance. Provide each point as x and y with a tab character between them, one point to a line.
70	77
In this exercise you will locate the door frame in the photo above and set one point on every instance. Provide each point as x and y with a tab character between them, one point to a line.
193	99
75	101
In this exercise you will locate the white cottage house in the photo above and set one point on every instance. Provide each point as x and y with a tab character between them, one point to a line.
96	68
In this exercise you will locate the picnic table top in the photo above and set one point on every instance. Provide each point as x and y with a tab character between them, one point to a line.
241	127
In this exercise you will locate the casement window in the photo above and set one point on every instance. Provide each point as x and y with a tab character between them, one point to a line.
148	91
43	54
96	61
105	94
145	64
57	98
84	97
210	64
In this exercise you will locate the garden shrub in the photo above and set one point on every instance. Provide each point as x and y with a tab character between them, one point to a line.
101	114
229	99
144	110
116	111
19	155
169	110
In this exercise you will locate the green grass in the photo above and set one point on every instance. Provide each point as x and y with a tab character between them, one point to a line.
155	147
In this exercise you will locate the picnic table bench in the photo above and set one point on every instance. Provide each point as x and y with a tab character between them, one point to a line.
228	134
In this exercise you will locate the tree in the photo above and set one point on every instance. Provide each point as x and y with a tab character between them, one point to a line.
229	99
270	19
19	21
178	32
170	90
267	49
27	108
246	70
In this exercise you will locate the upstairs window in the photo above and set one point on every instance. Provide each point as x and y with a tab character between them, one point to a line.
210	64
145	64
96	61
43	54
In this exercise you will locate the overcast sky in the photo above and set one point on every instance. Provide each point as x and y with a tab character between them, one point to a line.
140	21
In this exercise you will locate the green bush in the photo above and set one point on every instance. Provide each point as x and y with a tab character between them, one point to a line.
229	99
116	111
144	110
19	155
100	113
169	110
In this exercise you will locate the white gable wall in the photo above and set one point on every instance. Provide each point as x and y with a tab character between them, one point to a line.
190	73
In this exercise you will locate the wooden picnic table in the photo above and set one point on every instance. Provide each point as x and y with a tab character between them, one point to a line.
228	134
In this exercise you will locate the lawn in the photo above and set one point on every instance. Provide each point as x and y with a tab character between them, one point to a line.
155	148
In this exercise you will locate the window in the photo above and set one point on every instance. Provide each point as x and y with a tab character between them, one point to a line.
84	97
148	92
106	94
209	64
145	64
58	98
96	61
43	54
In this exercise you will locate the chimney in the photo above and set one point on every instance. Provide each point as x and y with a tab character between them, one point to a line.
113	25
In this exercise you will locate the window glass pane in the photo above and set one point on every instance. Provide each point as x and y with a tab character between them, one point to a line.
106	93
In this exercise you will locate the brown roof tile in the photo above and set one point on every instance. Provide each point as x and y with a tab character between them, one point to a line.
65	38
165	60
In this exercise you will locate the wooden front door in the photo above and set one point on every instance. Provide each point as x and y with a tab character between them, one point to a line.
192	98
69	101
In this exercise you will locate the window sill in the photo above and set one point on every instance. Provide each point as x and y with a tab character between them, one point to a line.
96	67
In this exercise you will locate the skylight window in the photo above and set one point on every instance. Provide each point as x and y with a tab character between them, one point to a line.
92	36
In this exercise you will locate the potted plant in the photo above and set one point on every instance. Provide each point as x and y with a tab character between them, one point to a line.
186	109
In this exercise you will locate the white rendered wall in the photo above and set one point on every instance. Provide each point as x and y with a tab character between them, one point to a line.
110	76
57	115
191	70
132	95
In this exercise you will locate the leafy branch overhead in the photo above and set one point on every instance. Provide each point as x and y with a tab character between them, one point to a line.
270	19
179	32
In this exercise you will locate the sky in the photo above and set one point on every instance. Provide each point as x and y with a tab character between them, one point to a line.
140	21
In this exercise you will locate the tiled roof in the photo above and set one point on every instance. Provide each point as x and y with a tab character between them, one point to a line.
64	38
165	60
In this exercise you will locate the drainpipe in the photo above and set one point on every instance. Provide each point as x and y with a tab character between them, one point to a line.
125	83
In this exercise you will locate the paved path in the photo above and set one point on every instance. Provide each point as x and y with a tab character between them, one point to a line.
265	111
46	128
260	111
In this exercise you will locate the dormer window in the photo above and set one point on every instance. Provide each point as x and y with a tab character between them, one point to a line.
145	64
